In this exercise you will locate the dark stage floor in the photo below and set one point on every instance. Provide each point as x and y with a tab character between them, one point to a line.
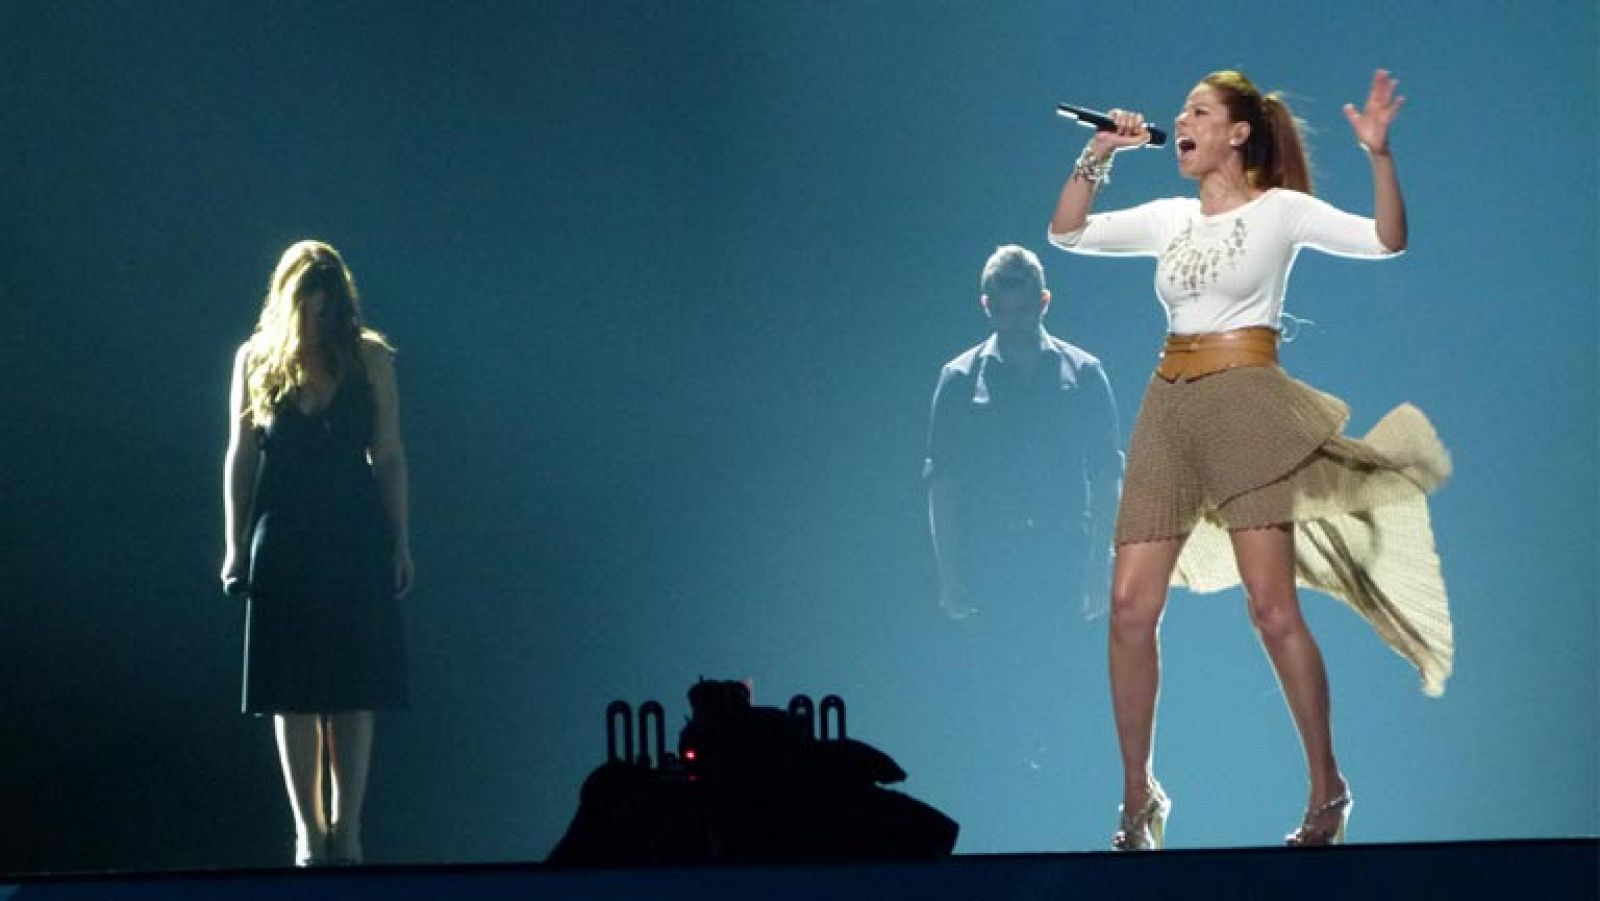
1553	869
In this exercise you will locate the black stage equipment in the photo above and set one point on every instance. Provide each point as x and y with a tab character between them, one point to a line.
748	785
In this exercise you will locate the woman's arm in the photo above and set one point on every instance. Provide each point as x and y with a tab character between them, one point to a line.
1371	127
1077	195
388	456
239	468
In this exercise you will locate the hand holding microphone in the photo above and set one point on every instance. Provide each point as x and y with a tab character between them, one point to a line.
1116	130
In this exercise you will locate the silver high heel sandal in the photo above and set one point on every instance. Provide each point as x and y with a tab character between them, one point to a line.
1146	828
310	851
1311	834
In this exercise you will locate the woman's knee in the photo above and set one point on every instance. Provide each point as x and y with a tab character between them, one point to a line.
1139	586
1275	612
1136	609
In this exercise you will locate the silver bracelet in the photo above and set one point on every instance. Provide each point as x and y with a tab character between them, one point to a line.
1094	171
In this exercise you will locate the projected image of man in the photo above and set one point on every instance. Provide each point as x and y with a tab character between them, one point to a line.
1022	462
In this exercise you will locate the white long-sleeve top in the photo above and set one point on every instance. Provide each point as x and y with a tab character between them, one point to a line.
1227	271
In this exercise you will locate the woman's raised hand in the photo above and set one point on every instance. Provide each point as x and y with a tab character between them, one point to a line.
1371	123
1131	132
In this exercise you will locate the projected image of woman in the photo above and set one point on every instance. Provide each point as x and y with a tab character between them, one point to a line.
1236	472
315	494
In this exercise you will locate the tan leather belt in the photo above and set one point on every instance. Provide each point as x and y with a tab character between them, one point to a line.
1189	357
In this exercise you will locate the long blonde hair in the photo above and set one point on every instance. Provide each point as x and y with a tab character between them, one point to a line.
277	355
1275	153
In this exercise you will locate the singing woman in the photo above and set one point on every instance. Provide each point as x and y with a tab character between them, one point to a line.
1236	472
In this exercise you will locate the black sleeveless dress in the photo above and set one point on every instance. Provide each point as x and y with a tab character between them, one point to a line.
323	632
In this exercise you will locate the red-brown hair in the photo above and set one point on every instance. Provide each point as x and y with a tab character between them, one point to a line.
1275	154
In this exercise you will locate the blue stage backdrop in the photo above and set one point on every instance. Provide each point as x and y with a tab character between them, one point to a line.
671	283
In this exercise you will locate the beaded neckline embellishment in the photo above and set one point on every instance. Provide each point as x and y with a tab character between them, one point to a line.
1194	268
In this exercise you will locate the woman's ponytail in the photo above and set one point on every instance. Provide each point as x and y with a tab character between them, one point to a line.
1275	154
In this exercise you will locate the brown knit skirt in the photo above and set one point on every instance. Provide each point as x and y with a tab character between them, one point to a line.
1252	447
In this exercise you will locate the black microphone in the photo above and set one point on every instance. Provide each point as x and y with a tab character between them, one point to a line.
1102	122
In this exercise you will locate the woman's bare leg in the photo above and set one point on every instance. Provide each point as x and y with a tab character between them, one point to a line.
299	738
1266	563
1138	597
349	756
